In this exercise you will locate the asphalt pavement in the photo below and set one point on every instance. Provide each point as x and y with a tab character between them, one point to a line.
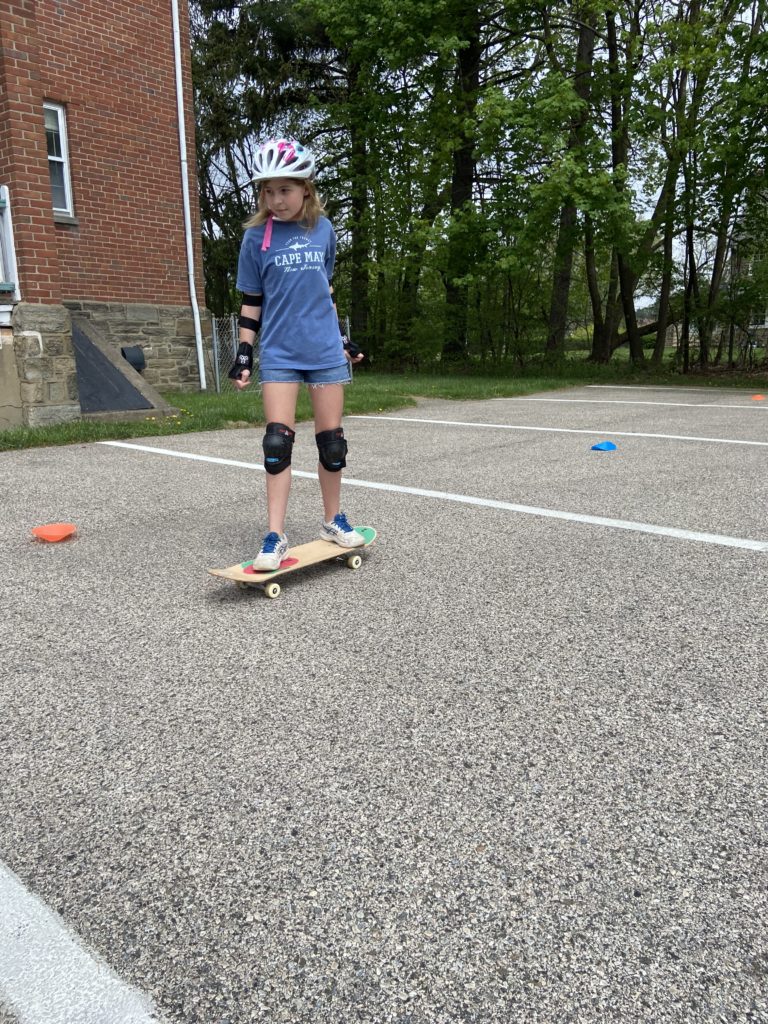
513	769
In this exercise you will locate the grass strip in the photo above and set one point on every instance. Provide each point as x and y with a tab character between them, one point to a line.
370	393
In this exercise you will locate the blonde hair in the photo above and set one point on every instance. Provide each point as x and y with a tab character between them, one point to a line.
310	214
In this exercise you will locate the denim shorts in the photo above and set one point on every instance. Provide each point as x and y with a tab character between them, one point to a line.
314	378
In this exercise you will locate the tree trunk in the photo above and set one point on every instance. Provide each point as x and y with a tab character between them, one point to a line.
566	232
619	85
462	178
360	248
561	285
600	352
605	325
685	334
627	282
666	283
642	332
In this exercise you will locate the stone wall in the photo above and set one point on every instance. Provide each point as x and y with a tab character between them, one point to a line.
10	395
45	364
165	333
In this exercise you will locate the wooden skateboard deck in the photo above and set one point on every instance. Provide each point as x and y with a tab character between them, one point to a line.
244	575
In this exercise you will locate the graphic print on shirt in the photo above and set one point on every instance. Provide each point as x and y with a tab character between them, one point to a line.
299	325
298	255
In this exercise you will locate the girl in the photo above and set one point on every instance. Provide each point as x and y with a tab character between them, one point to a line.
284	272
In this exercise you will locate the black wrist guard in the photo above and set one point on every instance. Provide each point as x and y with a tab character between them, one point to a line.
350	346
249	323
243	360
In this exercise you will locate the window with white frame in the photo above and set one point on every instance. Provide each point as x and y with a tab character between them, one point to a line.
58	158
9	287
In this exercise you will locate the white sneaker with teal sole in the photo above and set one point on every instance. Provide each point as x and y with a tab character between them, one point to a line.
338	531
274	548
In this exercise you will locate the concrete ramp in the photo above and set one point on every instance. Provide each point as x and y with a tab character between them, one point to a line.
108	385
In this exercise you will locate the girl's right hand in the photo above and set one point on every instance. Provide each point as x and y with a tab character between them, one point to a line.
241	370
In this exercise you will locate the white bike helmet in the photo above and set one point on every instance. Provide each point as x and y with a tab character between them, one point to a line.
281	158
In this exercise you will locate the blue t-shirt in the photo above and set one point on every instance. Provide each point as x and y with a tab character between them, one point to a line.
299	326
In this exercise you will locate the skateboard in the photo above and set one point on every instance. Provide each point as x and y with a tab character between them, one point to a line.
244	575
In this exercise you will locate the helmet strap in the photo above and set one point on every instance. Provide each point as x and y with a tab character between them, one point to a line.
267	234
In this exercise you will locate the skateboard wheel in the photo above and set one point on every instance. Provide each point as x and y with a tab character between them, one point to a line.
354	561
272	589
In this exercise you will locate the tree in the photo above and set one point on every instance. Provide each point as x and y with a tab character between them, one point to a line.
471	151
574	157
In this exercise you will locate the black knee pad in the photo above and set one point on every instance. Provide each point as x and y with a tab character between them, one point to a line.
332	448
277	445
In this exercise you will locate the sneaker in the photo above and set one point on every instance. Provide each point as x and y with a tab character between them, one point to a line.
338	531
273	550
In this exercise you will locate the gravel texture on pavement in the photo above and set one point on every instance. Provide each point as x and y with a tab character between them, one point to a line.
511	770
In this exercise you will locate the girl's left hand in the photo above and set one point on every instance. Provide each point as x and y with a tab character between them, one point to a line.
351	351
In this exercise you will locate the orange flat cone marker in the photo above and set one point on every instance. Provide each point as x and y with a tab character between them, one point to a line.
53	532
758	398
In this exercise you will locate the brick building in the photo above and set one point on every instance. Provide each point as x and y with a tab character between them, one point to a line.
92	205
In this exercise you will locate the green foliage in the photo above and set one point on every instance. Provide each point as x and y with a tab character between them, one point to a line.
452	137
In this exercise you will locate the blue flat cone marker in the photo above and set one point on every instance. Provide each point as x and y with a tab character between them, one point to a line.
604	446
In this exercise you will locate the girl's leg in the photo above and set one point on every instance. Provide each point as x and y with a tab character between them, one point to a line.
328	406
279	407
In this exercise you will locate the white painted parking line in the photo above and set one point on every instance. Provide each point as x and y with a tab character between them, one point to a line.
558	430
466	499
668	387
620	401
48	977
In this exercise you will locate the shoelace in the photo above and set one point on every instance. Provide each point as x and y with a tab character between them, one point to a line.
270	543
340	520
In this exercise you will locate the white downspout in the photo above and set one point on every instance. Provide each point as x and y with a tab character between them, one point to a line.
185	193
